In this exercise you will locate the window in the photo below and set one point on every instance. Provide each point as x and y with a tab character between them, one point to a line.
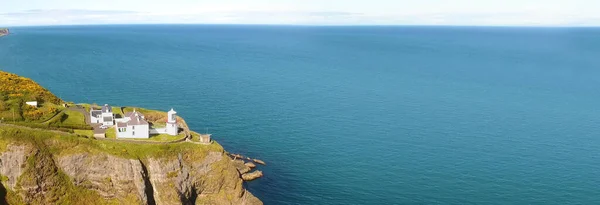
133	133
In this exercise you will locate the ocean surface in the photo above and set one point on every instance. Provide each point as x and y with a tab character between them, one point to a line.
355	115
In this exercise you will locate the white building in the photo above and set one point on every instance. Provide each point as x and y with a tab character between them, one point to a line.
104	115
107	115
133	125
32	103
172	128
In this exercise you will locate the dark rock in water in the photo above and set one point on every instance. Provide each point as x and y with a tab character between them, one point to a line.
259	161
250	165
241	167
252	176
237	156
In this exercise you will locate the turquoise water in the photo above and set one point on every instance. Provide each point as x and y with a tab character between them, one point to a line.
355	115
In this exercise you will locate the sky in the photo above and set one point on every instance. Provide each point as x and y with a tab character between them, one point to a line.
303	12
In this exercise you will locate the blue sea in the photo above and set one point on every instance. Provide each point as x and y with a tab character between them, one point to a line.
355	115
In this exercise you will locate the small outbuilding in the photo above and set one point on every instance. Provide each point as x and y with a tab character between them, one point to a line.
205	138
32	103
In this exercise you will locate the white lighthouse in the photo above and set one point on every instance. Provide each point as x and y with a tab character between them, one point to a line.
172	122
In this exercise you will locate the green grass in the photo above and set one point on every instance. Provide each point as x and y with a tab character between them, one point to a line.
65	144
195	136
141	110
15	91
158	125
117	111
164	137
111	133
85	106
46	108
89	133
54	119
12	114
68	119
74	118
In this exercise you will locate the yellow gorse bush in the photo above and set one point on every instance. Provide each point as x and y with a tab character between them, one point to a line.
17	86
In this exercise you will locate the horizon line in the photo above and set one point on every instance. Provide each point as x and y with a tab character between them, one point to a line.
312	25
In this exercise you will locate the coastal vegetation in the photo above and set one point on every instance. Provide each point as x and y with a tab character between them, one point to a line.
17	87
73	144
69	119
87	133
166	137
111	134
15	91
50	112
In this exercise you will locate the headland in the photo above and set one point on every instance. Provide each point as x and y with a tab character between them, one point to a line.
4	31
54	152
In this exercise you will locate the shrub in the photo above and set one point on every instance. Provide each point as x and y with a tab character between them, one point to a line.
21	87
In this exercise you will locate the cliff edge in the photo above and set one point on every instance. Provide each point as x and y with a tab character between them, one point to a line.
44	167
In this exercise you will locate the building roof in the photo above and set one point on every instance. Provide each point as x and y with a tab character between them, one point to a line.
137	121
96	113
121	124
136	118
106	108
132	114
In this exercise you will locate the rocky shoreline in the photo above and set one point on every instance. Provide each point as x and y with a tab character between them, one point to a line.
245	164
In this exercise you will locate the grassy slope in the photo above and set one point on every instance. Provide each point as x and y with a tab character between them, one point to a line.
87	133
67	119
74	118
165	137
25	88
117	111
111	133
16	90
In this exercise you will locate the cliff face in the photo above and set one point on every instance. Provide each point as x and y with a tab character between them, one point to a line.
3	31
41	168
109	176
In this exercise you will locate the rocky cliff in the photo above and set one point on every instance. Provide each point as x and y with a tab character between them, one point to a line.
44	167
3	31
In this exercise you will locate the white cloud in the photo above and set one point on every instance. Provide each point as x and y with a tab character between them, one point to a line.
231	15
